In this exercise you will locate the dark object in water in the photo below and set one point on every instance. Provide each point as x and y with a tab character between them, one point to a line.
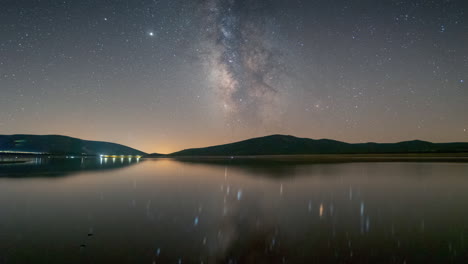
90	234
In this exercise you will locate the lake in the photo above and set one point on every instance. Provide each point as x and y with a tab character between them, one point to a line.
167	211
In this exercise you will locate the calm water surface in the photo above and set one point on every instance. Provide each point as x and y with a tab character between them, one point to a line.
167	211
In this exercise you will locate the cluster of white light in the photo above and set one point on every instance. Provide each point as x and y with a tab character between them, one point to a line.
104	157
119	156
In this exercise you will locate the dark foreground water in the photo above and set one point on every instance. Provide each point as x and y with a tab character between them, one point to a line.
166	211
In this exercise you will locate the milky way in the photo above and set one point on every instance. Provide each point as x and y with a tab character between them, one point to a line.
148	73
244	63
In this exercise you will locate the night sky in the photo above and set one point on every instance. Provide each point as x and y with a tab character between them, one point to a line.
165	75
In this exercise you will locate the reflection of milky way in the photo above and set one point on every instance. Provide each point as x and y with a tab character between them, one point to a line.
242	62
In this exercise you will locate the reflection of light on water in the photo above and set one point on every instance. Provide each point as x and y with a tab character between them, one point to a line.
367	224
276	222
272	244
121	160
100	160
364	225
281	189
113	160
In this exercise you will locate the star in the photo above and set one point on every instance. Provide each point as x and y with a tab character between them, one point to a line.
151	34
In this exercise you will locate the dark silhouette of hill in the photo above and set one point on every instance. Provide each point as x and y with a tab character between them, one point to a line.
155	155
63	145
290	145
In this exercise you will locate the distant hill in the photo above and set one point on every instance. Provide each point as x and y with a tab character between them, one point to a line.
290	145
155	155
62	145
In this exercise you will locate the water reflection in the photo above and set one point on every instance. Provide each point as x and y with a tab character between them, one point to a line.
57	167
164	211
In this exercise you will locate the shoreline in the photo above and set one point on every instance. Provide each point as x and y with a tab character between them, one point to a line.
311	158
324	158
4	162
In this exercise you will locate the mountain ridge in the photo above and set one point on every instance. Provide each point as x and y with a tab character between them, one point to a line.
277	144
62	145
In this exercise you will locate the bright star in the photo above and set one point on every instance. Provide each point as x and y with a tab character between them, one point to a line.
151	34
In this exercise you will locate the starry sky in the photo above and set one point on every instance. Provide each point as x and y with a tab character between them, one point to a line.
164	75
